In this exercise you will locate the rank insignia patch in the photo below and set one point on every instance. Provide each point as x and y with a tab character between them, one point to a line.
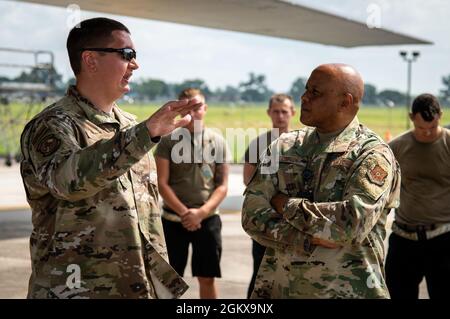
49	145
377	175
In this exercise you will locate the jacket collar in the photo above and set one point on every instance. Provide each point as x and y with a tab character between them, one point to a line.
98	117
340	143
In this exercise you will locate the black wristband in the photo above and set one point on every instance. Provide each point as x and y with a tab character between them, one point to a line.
155	139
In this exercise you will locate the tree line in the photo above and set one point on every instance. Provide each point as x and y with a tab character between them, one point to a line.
252	90
256	90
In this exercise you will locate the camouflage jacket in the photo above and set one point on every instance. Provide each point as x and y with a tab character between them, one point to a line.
340	191
91	184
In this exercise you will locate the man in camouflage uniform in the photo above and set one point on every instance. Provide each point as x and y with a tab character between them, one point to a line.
91	181
322	213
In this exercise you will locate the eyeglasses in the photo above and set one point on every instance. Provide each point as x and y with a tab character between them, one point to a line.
126	53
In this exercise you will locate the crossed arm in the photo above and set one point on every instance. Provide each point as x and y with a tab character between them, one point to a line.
71	172
276	220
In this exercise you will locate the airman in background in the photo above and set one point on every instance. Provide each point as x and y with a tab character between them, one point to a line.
420	239
281	110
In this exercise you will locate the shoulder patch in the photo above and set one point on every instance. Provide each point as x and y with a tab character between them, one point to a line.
49	145
373	177
377	175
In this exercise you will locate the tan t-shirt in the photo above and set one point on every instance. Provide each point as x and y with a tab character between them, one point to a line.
258	145
193	161
425	187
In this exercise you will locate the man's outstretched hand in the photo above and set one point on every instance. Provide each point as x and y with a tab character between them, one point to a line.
163	121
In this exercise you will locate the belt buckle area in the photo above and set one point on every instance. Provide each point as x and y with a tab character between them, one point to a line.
421	232
405	227
416	229
426	227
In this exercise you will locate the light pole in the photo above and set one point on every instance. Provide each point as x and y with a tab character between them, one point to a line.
409	57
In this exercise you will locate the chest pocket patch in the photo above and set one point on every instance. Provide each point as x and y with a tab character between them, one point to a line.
333	178
290	176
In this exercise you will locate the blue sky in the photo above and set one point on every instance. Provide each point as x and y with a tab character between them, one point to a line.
174	52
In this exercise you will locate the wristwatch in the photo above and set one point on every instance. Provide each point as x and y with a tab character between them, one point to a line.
155	139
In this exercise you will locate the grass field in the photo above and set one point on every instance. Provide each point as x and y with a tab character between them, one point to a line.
382	120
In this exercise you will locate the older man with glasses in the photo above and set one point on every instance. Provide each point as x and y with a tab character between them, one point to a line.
91	181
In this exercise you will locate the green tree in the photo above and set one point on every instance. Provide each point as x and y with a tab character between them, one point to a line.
445	92
370	94
298	88
41	75
194	83
47	75
255	89
391	95
150	89
229	94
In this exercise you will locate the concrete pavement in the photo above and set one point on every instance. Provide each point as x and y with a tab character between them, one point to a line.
12	193
15	270
15	228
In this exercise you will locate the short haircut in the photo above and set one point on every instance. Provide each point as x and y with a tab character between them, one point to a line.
189	93
94	32
280	98
427	105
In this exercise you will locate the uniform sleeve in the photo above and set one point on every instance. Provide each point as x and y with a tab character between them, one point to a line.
368	192
73	173
163	148
262	222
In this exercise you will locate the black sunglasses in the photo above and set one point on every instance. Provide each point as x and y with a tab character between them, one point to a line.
126	53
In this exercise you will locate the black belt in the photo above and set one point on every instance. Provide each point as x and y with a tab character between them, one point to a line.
416	228
421	230
168	210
